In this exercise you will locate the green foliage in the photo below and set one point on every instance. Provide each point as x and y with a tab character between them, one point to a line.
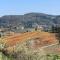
53	57
55	29
4	57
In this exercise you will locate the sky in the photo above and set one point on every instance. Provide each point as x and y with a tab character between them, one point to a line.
20	7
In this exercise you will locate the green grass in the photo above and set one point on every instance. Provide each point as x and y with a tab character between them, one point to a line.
3	57
32	57
53	57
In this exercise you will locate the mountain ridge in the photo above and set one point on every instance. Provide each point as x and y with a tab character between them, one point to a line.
29	19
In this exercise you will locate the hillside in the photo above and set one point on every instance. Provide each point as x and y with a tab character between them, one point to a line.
28	44
29	19
45	38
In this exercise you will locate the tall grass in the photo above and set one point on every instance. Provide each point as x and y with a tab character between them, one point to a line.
4	57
